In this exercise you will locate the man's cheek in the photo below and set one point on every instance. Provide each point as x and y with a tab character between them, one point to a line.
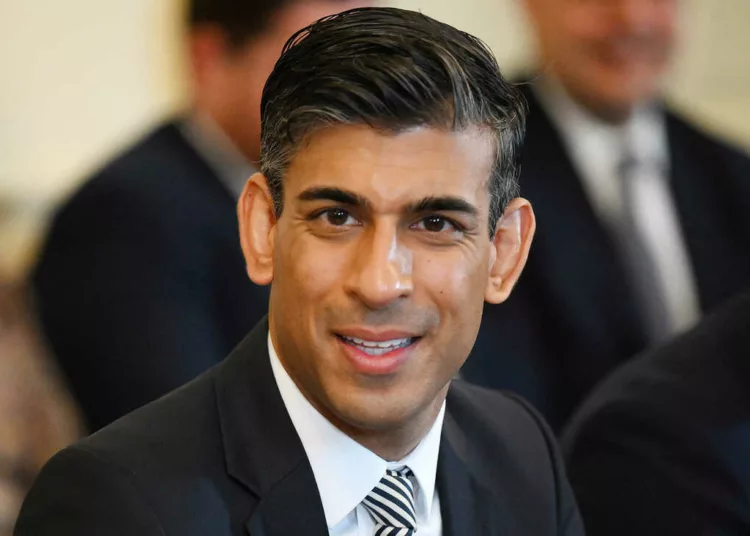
320	271
444	279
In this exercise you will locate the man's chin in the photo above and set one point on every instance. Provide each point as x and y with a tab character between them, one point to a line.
387	409
366	418
611	107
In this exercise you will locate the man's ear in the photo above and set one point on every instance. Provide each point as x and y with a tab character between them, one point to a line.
255	212
510	249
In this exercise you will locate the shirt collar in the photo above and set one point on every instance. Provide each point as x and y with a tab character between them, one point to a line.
344	470
218	150
644	133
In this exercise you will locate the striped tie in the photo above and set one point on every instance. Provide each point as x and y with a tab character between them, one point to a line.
391	504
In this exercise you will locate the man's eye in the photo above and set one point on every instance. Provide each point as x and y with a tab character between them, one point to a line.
436	224
338	217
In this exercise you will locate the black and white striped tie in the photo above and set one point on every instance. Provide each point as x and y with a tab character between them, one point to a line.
391	504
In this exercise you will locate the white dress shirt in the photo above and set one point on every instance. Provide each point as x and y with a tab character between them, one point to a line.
218	151
346	472
597	149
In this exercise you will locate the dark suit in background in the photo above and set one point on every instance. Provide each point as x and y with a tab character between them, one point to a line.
663	446
221	456
572	317
141	284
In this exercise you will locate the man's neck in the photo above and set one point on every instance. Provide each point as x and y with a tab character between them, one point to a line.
218	150
395	444
606	113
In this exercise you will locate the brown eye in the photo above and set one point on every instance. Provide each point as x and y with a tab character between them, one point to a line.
439	227
434	224
338	217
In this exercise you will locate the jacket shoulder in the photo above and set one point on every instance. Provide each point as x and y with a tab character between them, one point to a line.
158	192
152	174
162	149
470	399
685	132
164	431
502	426
508	446
158	470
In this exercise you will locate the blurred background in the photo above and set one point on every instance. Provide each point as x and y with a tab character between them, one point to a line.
82	79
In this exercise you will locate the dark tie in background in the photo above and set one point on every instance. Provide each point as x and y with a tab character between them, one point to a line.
638	260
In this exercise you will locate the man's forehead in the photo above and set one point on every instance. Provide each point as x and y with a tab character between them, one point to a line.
394	167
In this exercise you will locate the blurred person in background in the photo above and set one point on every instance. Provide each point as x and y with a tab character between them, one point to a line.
644	221
141	284
663	445
37	416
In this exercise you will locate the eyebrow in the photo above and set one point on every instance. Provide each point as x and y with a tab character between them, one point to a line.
444	203
339	195
427	204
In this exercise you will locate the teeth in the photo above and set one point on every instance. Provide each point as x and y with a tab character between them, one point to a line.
378	344
379	347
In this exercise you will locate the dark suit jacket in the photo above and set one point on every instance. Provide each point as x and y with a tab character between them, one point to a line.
572	317
663	446
221	456
141	284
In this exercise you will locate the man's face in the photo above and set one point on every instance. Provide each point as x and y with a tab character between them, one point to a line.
608	53
381	261
235	86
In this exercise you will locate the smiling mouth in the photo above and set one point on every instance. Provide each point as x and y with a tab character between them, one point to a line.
378	348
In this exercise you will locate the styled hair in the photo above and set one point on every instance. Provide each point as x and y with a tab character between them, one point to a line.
393	70
240	20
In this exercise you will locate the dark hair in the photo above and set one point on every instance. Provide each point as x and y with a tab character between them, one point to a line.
393	70
241	20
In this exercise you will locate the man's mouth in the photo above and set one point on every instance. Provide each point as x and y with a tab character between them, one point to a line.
378	348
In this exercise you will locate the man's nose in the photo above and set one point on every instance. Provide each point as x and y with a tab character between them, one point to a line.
637	15
381	273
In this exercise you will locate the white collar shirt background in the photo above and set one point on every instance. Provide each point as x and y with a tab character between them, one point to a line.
598	150
346	472
218	151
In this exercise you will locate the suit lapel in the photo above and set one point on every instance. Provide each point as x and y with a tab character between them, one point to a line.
262	449
459	501
291	507
466	505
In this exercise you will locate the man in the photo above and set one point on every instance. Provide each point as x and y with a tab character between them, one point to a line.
645	220
383	217
140	286
662	446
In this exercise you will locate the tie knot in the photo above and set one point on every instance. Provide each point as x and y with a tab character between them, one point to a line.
391	504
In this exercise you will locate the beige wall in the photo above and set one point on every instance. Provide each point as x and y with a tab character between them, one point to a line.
79	78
